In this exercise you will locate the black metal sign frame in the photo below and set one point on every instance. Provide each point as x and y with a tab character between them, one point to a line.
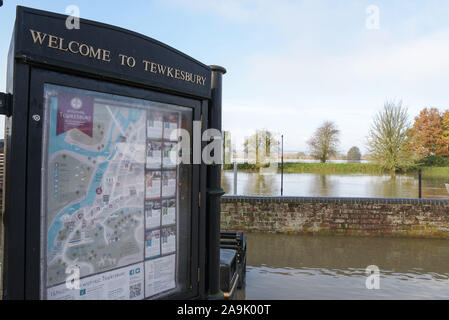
98	65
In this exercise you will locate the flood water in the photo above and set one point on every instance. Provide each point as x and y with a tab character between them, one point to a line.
305	267
351	185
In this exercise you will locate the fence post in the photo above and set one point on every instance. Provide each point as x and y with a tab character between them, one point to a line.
282	167
420	183
235	177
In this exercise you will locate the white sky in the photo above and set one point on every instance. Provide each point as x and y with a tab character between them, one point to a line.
294	64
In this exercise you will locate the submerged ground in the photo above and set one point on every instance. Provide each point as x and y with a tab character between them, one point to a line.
304	267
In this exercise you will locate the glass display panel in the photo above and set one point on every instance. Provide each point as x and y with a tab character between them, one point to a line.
114	210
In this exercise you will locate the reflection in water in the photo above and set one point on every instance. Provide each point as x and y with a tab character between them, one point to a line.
227	183
302	267
317	185
260	184
320	186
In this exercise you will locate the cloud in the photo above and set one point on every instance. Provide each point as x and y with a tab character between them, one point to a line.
379	63
294	90
423	59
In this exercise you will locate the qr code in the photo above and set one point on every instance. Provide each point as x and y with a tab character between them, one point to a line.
135	290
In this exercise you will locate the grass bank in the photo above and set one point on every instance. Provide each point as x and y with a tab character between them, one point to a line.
324	168
333	168
345	168
433	172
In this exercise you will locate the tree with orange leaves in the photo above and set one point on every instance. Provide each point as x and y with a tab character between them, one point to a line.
445	136
431	133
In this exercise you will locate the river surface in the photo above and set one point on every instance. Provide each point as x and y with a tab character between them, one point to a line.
305	267
335	185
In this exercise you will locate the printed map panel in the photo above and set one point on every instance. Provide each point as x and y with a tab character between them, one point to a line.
95	182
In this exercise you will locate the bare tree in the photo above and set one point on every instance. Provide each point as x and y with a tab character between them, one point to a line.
388	142
260	147
324	142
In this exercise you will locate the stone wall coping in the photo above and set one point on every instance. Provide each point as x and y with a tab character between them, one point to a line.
428	202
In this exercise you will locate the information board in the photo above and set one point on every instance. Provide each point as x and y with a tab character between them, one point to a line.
110	200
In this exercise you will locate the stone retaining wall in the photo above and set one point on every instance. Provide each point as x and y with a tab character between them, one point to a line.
337	216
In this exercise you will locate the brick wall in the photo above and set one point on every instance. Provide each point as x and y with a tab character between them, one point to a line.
337	216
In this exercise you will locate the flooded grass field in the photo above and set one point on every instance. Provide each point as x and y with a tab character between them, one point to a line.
336	185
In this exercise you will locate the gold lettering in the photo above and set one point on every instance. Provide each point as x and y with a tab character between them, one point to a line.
170	72
61	45
106	55
95	54
75	47
130	61
153	67
53	42
146	64
86	49
161	69
37	36
131	64
123	59
71	49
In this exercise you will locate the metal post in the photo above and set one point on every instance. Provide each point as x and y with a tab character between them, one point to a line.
235	177
282	167
214	191
420	183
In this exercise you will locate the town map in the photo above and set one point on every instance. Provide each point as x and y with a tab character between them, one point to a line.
96	181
